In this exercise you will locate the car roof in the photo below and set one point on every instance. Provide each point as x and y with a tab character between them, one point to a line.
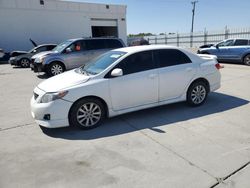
134	49
46	45
93	38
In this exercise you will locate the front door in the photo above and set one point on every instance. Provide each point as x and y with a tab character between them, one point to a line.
139	84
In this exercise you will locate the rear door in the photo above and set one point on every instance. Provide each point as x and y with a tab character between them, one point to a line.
175	72
238	49
96	47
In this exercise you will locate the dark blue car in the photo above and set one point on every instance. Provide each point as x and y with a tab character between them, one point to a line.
231	50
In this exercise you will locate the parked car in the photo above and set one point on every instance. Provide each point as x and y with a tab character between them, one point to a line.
124	80
232	50
72	53
1	53
23	59
139	42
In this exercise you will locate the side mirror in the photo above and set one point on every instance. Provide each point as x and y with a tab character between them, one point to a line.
34	51
217	46
117	72
68	50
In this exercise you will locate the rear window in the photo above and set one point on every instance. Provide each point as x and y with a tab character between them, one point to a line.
111	43
170	57
95	44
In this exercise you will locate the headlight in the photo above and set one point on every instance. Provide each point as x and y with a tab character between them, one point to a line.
39	59
48	97
12	58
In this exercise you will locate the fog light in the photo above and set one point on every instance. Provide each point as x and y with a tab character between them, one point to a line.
46	117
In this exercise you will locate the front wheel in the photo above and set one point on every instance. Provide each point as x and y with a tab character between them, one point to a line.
247	60
197	94
25	63
87	113
55	69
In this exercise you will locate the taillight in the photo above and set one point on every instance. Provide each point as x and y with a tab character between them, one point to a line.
219	66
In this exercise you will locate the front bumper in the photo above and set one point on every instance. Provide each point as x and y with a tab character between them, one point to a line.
37	67
13	62
57	110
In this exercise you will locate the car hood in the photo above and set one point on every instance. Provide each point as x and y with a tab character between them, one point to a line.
42	54
63	81
17	53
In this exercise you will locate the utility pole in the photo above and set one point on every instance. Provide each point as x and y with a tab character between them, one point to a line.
193	11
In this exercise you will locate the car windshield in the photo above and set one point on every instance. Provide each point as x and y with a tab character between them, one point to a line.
102	62
32	49
60	47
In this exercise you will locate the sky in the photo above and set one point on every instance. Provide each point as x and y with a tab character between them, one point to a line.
171	16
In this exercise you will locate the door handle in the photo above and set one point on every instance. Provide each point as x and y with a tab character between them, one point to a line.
152	76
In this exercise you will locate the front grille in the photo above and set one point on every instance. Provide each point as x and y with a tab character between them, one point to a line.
35	96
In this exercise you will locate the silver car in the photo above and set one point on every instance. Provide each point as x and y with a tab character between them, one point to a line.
72	53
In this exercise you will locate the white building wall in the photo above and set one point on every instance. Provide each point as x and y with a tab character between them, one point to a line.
53	22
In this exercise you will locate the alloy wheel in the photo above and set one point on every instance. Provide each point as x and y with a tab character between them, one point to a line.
25	62
56	69
89	114
198	94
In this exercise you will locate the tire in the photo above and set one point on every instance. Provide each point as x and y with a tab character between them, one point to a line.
55	69
87	113
25	63
197	93
246	60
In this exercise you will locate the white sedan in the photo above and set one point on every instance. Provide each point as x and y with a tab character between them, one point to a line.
122	81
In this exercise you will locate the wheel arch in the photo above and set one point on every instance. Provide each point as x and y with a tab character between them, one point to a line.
243	57
92	97
201	79
56	61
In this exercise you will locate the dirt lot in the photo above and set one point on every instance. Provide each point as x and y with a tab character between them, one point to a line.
168	146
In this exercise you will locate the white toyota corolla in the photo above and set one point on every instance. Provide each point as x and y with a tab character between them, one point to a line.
124	80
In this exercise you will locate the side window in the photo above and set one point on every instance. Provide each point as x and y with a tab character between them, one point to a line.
112	43
40	49
95	44
226	43
170	57
76	46
138	62
241	42
50	47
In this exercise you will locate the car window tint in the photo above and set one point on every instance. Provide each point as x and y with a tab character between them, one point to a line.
95	44
170	57
138	62
226	43
50	47
76	46
111	43
41	49
241	42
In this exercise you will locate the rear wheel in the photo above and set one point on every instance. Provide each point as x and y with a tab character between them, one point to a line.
247	60
55	69
197	93
25	63
87	113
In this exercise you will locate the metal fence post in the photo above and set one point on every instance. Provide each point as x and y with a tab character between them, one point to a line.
205	37
226	32
177	37
191	40
166	39
155	39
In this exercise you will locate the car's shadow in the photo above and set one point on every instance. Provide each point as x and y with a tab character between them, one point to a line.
150	119
42	76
